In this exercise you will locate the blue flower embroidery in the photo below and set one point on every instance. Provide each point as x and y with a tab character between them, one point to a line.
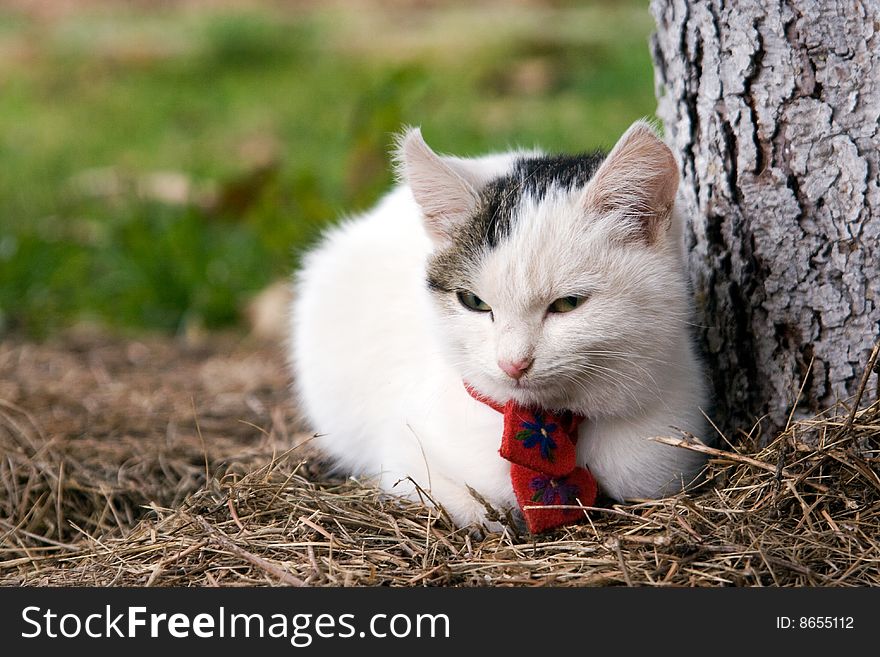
551	491
540	434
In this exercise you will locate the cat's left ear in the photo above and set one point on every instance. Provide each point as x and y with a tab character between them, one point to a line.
444	188
638	179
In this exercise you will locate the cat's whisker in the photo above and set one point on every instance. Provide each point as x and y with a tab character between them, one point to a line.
621	385
644	370
575	378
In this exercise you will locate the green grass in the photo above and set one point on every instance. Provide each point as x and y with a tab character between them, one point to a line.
279	123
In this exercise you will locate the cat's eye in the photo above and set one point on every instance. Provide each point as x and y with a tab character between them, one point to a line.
472	302
566	304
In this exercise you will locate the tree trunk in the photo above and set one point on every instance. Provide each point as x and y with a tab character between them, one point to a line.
772	111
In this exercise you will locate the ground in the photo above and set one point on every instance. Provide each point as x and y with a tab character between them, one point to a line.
180	462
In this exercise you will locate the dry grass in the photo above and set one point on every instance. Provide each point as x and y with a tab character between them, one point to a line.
103	481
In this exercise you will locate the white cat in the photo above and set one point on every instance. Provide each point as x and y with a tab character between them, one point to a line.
557	281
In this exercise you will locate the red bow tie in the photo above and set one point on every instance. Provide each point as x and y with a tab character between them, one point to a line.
541	449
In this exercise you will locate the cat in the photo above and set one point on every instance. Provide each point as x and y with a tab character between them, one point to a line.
557	281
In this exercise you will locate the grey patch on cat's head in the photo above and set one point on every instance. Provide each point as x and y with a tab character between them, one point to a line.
448	269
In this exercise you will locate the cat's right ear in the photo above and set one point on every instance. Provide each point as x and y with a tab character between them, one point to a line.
445	190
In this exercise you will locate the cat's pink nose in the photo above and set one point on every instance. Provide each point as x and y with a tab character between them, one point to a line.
515	368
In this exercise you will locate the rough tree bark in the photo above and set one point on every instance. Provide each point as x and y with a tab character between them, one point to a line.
772	111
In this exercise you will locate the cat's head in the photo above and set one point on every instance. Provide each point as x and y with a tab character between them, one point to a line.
557	282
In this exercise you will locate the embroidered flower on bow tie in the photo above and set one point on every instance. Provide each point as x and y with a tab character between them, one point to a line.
538	433
552	491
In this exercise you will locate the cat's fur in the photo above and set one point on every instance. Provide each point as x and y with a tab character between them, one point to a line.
381	345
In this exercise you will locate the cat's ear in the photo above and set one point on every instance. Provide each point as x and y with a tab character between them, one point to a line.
638	179
444	188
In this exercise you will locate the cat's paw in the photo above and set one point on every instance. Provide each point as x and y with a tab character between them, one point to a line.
482	516
465	506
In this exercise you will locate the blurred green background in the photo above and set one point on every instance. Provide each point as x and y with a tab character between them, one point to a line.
160	162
